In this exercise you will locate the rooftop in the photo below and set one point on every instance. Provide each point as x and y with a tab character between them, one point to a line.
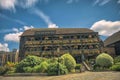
112	39
57	30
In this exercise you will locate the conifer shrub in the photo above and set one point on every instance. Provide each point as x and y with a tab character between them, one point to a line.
104	60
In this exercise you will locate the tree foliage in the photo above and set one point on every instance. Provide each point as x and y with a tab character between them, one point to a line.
41	68
29	61
117	59
53	69
115	67
104	60
69	62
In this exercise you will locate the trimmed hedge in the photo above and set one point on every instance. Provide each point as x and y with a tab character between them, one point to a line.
69	62
104	60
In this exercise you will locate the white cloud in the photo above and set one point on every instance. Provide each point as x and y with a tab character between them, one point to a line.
106	28
11	19
118	2
45	18
27	27
27	3
15	29
4	47
15	36
8	4
52	26
101	2
71	1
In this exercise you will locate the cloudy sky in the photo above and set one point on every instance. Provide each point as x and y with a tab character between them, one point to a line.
17	16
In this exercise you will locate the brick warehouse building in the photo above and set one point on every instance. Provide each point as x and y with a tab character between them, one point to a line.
53	42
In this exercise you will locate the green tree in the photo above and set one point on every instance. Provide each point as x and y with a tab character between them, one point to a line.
115	67
53	69
117	59
42	67
104	60
69	62
29	61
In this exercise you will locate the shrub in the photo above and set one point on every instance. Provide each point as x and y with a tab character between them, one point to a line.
104	60
117	59
41	68
115	67
3	70
28	69
10	67
53	69
78	66
52	60
69	62
11	70
29	61
10	64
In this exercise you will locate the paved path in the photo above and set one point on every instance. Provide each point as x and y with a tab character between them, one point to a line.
76	76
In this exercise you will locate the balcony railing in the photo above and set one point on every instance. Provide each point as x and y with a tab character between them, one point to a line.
62	41
73	52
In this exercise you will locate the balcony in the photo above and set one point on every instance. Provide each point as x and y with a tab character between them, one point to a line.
32	42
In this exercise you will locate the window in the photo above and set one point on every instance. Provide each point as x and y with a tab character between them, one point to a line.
65	37
47	32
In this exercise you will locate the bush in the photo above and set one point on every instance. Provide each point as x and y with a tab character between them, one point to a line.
104	60
3	70
78	66
41	68
28	69
69	62
29	61
117	59
11	70
53	69
10	64
115	67
52	60
10	67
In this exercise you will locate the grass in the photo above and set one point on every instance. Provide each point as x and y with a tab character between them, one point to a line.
111	75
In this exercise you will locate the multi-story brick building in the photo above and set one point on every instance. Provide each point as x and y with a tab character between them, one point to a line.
8	57
52	42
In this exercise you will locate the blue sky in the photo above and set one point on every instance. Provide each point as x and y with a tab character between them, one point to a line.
17	16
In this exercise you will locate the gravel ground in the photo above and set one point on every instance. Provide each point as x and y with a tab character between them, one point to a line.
76	76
